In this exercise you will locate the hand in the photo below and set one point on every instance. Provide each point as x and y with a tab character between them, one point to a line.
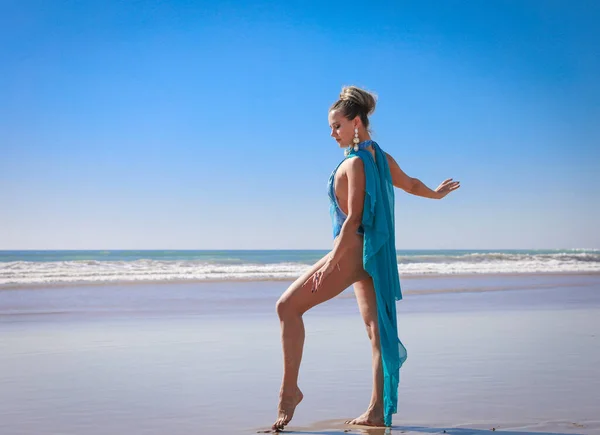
446	187
318	277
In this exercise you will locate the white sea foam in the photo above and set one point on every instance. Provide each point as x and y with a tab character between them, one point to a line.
94	271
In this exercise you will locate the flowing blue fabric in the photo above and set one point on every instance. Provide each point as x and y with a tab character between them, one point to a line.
380	262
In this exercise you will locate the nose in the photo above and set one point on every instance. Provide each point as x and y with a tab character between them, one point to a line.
332	133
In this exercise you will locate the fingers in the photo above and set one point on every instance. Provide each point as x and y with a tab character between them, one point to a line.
450	186
308	279
319	277
449	182
317	280
312	278
314	283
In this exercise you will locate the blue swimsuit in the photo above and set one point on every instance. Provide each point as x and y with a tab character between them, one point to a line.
338	217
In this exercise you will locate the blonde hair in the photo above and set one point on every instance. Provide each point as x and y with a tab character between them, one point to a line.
354	102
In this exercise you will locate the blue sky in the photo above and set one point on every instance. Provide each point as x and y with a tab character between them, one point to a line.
203	125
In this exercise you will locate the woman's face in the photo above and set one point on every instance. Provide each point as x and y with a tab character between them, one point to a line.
342	130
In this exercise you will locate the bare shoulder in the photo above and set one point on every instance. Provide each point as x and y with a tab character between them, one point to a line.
353	164
391	161
356	163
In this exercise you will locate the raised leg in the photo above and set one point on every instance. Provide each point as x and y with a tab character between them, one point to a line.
296	300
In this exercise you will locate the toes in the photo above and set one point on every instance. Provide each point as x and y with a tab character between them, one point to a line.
279	425
359	422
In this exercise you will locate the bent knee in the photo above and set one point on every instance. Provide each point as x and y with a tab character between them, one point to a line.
285	308
373	332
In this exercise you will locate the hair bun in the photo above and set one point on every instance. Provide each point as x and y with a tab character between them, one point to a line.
366	100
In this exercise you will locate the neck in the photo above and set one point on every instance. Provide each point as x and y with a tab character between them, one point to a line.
363	145
364	136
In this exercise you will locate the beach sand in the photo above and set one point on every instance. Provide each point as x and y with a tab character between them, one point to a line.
514	353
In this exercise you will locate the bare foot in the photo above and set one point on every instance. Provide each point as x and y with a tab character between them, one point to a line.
373	417
287	406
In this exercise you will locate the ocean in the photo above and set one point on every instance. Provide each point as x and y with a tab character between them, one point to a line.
26	268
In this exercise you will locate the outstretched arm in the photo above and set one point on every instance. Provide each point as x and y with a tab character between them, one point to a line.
415	186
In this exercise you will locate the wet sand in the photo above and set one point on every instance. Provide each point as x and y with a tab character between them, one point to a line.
206	359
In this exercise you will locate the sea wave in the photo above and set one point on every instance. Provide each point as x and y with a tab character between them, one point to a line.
150	270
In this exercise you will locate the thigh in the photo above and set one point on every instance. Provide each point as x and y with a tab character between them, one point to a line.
300	296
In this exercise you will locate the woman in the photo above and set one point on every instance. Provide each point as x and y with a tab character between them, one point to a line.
364	255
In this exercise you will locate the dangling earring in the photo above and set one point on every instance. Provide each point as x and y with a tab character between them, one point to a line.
356	140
